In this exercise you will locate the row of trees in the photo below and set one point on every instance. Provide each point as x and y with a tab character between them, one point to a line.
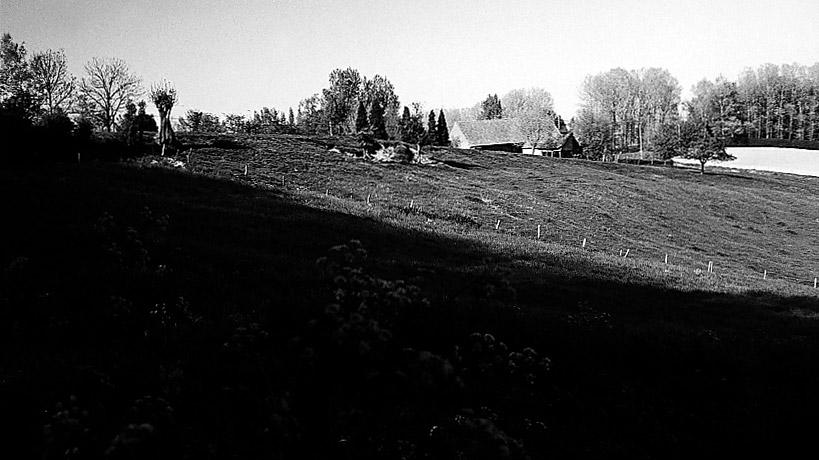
41	90
623	110
771	102
353	104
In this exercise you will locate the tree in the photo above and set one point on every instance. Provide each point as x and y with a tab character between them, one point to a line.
534	110
443	130
491	108
411	126
311	118
698	142
361	122
667	141
196	121
520	102
52	81
128	125
108	86
431	136
380	91
145	122
340	97
377	124
291	119
163	95
17	96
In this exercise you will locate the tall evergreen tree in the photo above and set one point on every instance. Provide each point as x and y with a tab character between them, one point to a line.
405	125
442	129
361	122
291	119
431	137
377	125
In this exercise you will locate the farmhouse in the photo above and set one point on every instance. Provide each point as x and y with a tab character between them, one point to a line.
506	135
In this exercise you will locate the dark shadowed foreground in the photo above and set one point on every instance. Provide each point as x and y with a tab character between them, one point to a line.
148	313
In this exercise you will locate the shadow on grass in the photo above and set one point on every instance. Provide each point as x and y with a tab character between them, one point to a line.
636	369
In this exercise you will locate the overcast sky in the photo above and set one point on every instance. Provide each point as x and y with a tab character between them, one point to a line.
235	56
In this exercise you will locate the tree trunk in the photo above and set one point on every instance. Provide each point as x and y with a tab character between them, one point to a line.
702	167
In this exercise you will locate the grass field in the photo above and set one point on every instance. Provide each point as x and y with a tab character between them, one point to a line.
774	159
195	301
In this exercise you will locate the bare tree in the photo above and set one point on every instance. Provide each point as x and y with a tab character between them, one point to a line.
163	94
534	109
108	86
52	80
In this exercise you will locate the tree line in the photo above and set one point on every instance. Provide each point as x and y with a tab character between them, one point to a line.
37	94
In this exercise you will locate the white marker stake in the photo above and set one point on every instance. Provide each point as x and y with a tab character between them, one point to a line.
412	202
497	226
621	253
584	242
814	282
765	275
666	259
538	232
627	251
368	199
245	170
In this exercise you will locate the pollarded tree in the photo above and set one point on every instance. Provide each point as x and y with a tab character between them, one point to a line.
52	81
361	122
442	129
163	95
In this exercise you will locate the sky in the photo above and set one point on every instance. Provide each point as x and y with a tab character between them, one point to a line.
241	55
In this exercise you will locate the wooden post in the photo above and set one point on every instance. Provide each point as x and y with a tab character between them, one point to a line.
412	202
368	199
710	267
666	258
584	242
188	158
814	281
78	157
245	170
497	226
621	253
765	275
627	251
538	231
327	193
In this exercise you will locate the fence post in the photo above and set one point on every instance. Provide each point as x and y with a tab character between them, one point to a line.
245	170
497	226
765	275
412	202
368	198
666	258
814	281
538	231
584	243
627	251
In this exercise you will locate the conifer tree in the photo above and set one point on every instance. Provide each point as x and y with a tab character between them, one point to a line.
291	119
442	129
361	122
432	129
377	125
405	126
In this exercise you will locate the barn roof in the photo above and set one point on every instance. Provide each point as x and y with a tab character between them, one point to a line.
498	131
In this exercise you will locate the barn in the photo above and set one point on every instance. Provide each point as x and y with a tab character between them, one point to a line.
506	135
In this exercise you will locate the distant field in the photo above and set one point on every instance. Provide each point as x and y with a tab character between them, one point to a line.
776	159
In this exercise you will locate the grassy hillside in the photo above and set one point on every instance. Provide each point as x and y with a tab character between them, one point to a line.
153	312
